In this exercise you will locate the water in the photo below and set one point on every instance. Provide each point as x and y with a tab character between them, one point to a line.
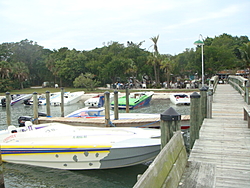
25	176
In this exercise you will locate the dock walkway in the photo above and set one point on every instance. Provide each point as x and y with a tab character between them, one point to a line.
224	144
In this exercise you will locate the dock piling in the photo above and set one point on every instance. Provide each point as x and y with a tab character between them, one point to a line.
8	112
62	102
209	103
48	103
203	103
195	114
107	108
116	105
166	124
127	100
35	108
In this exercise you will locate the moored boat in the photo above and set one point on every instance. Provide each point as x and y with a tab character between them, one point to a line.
136	100
99	112
68	147
96	101
180	98
20	99
69	98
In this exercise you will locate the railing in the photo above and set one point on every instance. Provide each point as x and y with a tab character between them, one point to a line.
241	85
213	83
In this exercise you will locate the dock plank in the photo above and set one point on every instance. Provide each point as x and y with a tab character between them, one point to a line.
225	141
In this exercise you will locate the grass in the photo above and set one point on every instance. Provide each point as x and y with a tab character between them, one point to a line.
99	90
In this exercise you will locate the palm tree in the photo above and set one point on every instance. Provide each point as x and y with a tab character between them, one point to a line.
167	65
21	72
155	59
5	69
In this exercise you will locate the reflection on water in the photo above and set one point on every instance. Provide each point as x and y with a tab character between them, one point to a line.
28	176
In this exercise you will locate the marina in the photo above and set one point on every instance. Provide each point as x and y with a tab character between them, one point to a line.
29	176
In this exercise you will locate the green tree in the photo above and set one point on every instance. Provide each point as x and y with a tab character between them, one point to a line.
86	80
5	69
30	53
20	72
245	54
167	66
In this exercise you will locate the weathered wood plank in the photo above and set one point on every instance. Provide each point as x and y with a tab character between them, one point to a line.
168	166
225	141
198	175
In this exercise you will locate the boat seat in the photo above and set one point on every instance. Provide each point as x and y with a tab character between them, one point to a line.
12	129
29	125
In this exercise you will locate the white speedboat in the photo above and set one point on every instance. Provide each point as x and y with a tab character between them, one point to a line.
180	98
69	98
96	112
20	99
68	147
96	101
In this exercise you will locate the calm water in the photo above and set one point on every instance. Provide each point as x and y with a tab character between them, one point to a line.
16	175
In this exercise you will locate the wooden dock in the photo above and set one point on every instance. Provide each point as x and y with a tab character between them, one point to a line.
100	122
221	156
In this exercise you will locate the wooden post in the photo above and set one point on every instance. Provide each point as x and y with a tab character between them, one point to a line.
107	108
8	112
194	118
116	113
127	100
203	103
35	108
62	102
209	104
48	103
166	125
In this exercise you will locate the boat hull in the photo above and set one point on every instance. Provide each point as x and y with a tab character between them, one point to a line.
134	103
80	148
20	100
81	159
180	99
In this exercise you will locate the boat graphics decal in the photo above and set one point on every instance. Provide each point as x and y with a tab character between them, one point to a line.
15	150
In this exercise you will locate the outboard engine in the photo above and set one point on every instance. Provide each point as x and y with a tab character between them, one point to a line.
26	102
22	119
3	102
101	101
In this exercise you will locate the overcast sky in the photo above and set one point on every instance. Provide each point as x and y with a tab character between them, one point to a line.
85	25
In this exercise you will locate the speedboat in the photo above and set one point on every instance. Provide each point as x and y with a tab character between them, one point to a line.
20	99
136	100
69	98
99	112
96	101
42	98
61	146
180	99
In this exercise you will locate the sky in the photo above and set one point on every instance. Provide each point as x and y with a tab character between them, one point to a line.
86	25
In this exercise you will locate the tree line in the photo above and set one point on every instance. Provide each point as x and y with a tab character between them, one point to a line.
25	63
